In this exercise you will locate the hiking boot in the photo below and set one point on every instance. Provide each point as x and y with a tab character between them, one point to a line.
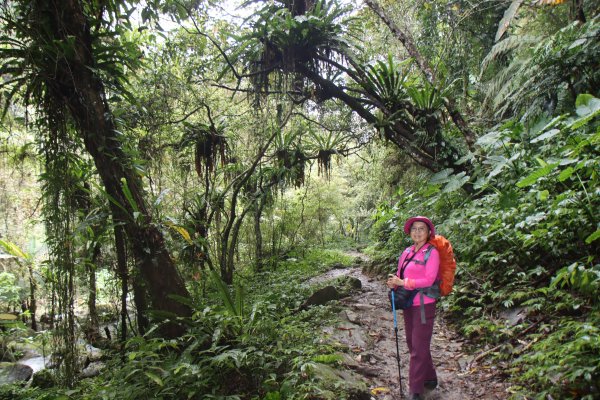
430	385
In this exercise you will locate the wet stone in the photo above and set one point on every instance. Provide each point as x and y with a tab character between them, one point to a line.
13	372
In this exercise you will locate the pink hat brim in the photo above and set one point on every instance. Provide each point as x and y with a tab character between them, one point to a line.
419	218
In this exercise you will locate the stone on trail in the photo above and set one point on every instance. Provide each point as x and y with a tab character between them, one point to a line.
320	297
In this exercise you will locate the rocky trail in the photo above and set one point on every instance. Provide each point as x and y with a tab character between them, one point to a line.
367	328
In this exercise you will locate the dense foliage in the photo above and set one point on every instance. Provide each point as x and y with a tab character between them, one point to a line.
192	178
245	343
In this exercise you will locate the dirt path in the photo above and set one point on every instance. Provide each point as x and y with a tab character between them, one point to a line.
368	330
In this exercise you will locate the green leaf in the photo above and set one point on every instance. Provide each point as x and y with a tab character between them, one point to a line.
224	293
14	250
441	177
543	195
586	104
566	174
128	195
161	196
155	378
456	182
546	135
593	236
537	174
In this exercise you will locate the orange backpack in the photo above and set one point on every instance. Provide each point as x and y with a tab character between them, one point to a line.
447	263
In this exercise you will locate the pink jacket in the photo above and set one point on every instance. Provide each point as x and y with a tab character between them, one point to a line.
416	274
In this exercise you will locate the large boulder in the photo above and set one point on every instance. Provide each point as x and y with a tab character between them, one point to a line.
14	372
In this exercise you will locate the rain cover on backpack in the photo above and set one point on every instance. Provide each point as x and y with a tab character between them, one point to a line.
447	263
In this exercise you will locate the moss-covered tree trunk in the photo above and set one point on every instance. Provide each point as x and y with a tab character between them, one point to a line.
74	82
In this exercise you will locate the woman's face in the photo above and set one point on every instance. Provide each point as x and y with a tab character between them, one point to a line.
419	232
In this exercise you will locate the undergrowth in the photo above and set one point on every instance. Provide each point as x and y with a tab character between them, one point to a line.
527	245
250	343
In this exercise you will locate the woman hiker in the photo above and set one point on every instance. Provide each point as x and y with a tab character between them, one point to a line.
414	273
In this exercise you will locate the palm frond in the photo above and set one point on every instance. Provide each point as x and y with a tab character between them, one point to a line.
558	67
506	45
509	15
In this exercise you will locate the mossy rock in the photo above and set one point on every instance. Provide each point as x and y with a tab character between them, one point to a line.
44	379
347	284
14	373
378	268
345	380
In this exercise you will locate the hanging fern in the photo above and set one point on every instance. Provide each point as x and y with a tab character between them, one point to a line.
209	143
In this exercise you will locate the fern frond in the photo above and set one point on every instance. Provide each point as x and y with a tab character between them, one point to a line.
501	80
506	45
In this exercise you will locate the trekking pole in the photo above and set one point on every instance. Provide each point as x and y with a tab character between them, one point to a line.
397	348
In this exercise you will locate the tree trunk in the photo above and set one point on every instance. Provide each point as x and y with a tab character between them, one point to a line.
578	11
93	329
140	296
258	245
229	241
32	300
74	83
121	250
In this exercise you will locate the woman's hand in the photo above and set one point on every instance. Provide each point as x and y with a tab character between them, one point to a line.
393	281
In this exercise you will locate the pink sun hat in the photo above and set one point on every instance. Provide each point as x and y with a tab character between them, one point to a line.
419	218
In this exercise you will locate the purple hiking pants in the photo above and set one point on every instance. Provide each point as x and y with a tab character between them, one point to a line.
418	340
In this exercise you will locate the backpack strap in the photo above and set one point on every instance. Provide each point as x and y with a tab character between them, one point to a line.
422	307
427	254
433	291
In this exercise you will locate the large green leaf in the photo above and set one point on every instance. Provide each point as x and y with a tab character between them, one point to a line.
455	182
441	177
537	174
231	305
14	250
587	104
